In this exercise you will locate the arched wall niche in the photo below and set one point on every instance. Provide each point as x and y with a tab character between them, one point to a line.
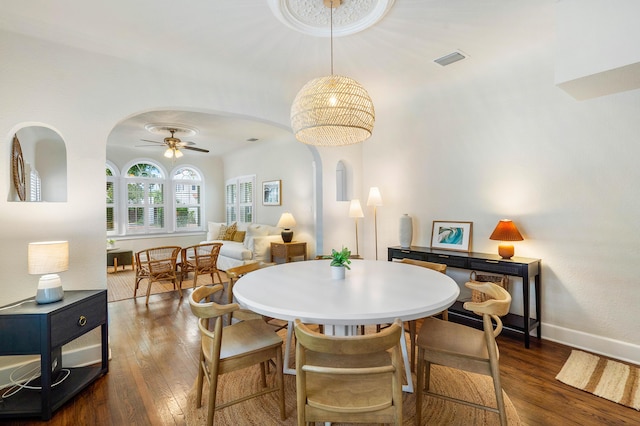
43	164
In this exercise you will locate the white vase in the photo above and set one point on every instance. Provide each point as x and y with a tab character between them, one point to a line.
338	272
406	231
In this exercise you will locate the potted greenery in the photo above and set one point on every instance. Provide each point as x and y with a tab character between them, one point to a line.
339	262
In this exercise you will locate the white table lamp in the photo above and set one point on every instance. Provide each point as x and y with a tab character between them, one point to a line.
287	222
47	258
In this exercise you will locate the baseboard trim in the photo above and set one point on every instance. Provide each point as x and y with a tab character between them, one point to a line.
76	357
605	346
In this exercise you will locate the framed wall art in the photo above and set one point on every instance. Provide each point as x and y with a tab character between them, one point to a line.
271	191
450	235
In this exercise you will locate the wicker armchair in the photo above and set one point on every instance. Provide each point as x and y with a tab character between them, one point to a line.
156	264
201	259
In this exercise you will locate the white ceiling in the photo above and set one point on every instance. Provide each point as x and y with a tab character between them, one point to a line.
194	37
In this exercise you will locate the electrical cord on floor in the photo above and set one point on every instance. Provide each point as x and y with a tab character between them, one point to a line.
32	372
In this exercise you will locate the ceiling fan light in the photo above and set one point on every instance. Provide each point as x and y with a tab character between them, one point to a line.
178	153
168	153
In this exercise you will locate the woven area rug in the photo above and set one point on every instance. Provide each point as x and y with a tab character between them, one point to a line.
264	410
605	378
120	284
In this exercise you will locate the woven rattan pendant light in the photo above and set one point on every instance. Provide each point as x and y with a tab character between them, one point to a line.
332	110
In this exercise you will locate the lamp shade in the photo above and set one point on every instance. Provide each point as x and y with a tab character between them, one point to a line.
355	209
332	111
286	221
48	257
375	199
506	230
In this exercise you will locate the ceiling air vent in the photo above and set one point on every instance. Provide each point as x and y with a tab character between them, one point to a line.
450	58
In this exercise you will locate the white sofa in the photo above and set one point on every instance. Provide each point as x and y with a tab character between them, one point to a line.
255	247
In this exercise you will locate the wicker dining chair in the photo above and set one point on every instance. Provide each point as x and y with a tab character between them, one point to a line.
156	264
465	348
201	259
233	347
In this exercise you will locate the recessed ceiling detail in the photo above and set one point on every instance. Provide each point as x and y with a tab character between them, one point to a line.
163	129
313	17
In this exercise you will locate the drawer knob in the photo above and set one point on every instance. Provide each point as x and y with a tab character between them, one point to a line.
82	321
444	256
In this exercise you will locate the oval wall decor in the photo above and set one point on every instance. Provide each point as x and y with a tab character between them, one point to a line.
17	168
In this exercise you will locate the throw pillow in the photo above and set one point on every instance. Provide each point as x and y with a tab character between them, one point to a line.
222	232
230	231
214	230
238	236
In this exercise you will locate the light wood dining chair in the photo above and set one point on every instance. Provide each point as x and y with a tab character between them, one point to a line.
201	259
465	348
439	267
349	378
229	348
156	264
237	272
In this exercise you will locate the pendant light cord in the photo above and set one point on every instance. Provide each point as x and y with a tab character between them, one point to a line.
331	33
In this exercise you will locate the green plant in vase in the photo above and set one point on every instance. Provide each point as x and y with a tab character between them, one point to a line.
340	258
339	262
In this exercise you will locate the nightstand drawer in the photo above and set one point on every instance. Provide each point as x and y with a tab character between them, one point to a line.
77	319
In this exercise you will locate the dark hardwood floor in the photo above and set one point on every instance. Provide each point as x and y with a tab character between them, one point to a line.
154	361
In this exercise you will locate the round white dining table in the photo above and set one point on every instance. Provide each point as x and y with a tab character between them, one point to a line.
373	292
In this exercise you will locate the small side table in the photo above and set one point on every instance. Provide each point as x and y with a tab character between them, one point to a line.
117	258
288	251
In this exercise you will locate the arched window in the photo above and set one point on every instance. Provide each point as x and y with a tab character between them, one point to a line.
112	197
145	199
145	182
188	192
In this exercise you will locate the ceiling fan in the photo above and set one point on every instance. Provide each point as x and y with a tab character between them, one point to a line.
174	145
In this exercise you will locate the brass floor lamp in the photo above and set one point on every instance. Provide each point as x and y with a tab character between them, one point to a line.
375	200
355	211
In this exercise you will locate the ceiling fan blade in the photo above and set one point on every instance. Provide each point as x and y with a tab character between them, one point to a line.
185	143
138	146
192	148
147	140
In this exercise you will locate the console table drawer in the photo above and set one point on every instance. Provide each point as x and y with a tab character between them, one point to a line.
454	262
73	322
495	266
409	254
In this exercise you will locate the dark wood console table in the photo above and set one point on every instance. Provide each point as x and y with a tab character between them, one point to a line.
27	328
522	267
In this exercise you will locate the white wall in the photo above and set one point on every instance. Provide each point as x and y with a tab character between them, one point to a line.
291	163
506	142
597	50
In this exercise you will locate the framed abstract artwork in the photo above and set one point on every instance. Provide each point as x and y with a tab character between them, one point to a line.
449	235
271	193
